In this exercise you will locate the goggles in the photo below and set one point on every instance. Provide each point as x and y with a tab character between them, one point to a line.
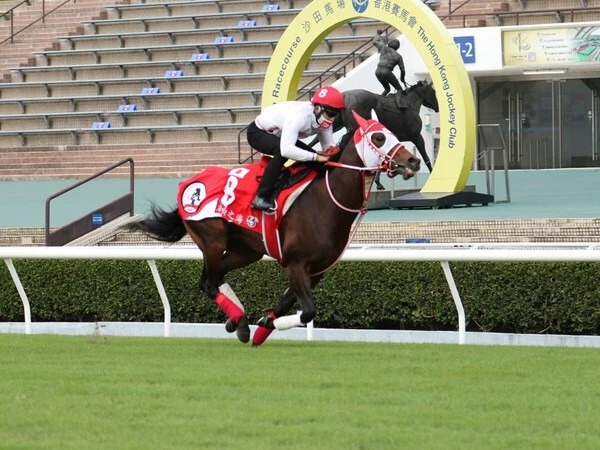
330	112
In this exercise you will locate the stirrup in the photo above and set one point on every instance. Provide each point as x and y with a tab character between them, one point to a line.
262	204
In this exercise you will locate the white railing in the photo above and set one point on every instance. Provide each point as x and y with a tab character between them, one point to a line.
443	253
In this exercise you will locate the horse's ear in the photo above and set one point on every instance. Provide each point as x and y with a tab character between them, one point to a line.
362	123
374	116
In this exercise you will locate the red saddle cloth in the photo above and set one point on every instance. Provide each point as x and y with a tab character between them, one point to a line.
228	193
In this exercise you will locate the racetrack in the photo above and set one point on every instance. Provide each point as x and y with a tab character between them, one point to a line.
92	392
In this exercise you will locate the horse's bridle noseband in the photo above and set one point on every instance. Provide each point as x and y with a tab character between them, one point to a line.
388	163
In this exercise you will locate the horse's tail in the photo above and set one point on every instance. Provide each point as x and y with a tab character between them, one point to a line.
166	226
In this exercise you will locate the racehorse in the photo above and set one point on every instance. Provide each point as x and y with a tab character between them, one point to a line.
313	232
398	112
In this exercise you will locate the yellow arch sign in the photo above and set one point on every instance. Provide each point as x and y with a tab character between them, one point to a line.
435	46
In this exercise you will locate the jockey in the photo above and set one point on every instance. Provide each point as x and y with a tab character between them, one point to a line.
277	131
389	58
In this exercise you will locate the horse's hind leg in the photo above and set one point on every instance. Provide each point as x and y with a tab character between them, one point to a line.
234	259
211	237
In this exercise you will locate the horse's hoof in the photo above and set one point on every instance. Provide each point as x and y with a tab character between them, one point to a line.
243	330
380	187
266	322
230	327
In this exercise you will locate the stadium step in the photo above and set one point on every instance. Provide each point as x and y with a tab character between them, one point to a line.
478	231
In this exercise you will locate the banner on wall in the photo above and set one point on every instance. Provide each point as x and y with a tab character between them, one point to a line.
543	46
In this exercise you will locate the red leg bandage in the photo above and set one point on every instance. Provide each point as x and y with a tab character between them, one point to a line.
232	310
261	334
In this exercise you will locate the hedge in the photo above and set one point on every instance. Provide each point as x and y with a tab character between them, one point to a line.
557	298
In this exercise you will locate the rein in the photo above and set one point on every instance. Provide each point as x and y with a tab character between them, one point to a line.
366	192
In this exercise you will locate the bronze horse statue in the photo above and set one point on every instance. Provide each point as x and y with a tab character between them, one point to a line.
398	112
309	247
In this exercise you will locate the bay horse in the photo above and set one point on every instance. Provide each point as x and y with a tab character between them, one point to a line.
313	232
399	112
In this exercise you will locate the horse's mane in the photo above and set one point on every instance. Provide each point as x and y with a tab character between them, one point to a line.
419	84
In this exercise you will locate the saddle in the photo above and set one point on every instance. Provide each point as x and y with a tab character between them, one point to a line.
227	193
288	176
394	102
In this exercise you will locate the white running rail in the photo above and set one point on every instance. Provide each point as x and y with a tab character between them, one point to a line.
443	253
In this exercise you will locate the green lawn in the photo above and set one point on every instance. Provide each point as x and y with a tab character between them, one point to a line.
59	392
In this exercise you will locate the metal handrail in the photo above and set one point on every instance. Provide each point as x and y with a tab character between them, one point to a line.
86	180
13	33
452	11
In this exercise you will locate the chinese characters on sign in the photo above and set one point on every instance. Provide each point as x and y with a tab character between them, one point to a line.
541	46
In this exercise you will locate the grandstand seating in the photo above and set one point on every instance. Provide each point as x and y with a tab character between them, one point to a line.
168	8
198	19
126	69
99	86
127	47
55	119
151	160
84	77
329	44
111	52
161	99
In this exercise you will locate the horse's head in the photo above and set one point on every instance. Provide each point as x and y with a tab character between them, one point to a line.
423	94
379	147
429	98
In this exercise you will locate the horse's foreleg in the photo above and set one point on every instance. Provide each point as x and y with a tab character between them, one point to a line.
300	284
420	144
287	300
265	324
380	187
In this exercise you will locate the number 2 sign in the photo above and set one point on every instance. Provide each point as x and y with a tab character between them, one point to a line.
466	48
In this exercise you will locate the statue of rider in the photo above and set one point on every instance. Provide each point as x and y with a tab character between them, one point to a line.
389	58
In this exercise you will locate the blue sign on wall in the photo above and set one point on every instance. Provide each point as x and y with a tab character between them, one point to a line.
223	39
246	23
97	219
200	56
466	47
417	241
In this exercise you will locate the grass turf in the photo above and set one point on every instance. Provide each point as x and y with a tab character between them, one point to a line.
63	392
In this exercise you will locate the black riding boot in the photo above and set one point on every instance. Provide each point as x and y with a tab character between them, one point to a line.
264	194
